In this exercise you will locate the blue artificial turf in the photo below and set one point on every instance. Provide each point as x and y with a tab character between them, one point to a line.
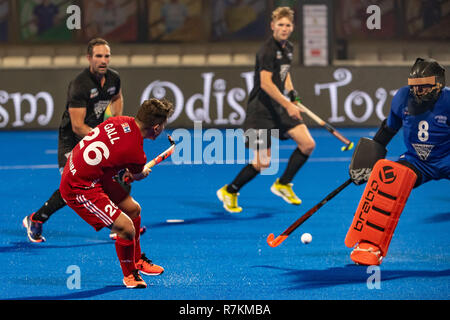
215	255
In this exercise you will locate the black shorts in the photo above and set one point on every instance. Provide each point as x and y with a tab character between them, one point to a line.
65	145
262	122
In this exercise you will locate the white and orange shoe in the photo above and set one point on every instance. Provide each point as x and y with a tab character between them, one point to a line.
366	254
145	266
134	280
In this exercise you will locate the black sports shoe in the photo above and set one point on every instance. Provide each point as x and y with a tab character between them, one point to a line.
34	229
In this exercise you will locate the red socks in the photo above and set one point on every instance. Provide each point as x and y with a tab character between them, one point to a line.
125	253
129	251
137	237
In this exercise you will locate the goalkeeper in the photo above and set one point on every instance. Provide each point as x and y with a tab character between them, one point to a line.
423	110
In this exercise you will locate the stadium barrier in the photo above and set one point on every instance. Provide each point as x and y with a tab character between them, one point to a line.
344	96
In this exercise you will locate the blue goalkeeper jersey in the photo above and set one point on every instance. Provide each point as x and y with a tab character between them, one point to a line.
426	136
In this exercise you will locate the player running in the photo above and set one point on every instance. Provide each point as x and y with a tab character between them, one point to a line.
423	110
268	110
89	188
89	94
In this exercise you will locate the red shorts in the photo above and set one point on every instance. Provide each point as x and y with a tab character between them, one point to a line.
96	206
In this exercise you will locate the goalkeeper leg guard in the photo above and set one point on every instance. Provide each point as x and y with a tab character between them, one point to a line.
378	212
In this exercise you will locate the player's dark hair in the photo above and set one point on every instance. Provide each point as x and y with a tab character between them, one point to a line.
95	42
154	111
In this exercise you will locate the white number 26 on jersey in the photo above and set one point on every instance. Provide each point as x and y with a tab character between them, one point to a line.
422	134
95	147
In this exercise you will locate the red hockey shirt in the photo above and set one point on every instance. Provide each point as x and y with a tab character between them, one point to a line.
113	145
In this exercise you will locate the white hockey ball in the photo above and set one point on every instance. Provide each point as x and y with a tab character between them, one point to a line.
306	238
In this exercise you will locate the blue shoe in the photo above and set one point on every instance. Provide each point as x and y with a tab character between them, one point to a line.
34	229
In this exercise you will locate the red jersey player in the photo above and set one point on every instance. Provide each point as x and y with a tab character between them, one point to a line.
88	187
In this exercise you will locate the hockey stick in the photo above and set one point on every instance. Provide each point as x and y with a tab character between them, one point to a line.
162	156
274	242
348	144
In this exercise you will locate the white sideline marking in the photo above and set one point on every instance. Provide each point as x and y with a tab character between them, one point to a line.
174	220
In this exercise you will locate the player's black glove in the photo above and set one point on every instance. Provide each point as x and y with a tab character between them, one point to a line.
120	177
293	95
124	183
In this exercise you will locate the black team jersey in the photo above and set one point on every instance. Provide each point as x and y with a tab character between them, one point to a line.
274	58
85	91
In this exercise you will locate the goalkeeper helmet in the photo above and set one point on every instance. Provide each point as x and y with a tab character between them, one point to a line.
426	81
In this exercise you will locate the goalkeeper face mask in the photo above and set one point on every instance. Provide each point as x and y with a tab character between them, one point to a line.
426	80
